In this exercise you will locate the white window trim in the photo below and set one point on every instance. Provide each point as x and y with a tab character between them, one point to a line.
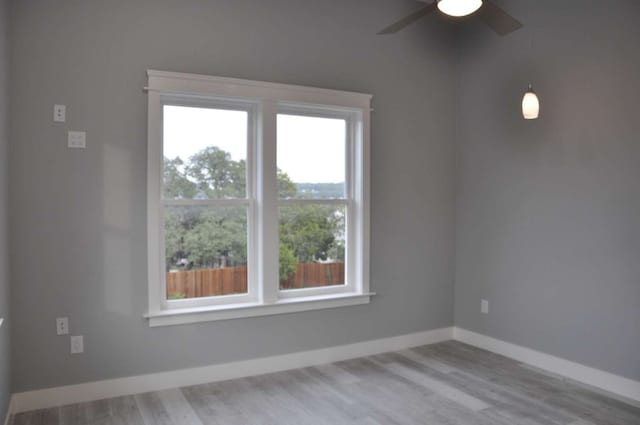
263	101
252	294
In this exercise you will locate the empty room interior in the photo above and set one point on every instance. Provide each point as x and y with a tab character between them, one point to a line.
369	212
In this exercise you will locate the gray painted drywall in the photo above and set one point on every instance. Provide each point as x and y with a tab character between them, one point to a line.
78	216
548	211
5	349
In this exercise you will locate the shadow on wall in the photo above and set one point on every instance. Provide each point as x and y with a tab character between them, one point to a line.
118	272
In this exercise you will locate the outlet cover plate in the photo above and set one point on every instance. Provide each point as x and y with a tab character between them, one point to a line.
62	326
59	113
77	344
484	306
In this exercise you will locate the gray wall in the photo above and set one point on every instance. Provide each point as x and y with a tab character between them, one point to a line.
78	216
548	212
5	349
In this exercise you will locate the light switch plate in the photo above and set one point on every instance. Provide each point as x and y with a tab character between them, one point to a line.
77	139
59	113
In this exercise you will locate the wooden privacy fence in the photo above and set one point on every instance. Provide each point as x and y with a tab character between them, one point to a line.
308	275
233	280
206	282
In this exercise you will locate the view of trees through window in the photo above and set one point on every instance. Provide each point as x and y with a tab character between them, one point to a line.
206	246
206	201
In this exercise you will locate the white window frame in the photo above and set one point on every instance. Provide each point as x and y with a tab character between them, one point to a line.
263	102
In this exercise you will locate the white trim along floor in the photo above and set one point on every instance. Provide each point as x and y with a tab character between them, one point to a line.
613	385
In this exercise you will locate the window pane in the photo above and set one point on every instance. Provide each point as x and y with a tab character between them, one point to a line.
205	153
206	251
312	245
311	157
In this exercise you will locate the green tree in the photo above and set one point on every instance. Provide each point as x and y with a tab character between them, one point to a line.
176	184
173	240
217	237
287	262
216	175
336	252
308	230
286	188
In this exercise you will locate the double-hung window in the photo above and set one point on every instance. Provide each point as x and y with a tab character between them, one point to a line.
257	198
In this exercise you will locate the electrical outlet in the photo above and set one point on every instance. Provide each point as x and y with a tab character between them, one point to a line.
484	306
62	326
59	113
77	344
77	139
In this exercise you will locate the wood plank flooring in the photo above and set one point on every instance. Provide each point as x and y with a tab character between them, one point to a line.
448	383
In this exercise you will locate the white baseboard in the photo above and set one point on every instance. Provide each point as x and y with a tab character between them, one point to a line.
90	391
624	388
7	418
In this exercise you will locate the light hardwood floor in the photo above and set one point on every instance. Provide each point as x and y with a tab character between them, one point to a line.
448	383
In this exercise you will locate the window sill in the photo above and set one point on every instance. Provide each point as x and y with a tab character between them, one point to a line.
237	311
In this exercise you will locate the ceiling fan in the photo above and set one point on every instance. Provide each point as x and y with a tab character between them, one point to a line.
496	18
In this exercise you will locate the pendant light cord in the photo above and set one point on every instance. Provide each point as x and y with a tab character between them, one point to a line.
529	14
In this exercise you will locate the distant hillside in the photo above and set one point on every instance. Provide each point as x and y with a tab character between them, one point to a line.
320	190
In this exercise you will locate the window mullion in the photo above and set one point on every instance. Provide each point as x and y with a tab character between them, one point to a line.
267	191
313	201
207	202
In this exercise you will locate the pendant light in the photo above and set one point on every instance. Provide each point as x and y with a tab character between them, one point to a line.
530	105
459	8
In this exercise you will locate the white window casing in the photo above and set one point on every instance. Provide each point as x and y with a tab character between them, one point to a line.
263	102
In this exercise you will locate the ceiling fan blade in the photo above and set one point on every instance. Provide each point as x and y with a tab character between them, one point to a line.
497	19
407	20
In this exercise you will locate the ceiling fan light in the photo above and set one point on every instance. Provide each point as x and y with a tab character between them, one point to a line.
530	105
459	8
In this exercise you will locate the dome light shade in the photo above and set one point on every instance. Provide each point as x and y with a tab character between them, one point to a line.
459	8
530	105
